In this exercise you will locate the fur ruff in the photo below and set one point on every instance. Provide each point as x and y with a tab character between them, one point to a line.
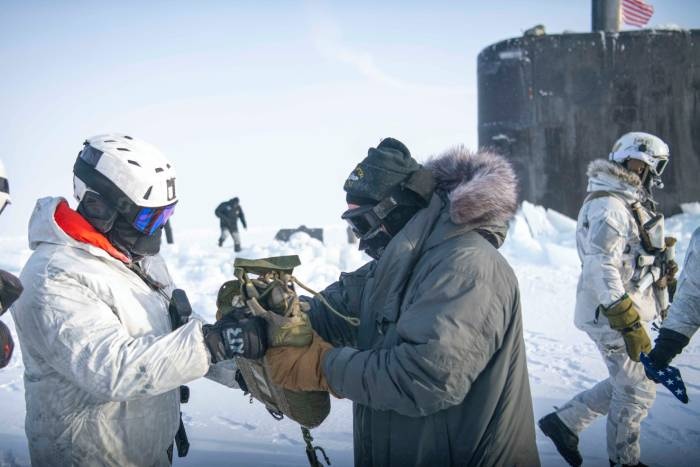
602	166
482	187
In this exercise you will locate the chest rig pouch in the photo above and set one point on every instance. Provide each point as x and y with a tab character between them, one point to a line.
658	250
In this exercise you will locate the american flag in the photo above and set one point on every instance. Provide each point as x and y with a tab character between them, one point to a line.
670	377
636	12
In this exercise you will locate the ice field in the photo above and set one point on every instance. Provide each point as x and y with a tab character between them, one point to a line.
226	429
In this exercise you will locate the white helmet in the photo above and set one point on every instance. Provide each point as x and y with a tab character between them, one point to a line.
4	189
645	147
133	176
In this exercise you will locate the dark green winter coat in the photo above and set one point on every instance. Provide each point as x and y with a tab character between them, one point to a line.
437	369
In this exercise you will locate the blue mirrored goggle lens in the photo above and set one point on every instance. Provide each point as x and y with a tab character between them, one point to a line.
149	220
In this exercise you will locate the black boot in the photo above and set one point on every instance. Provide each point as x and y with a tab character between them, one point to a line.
564	439
237	248
638	464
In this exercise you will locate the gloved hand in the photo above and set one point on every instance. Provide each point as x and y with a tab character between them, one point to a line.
299	368
291	328
287	322
236	335
10	290
624	317
6	345
668	344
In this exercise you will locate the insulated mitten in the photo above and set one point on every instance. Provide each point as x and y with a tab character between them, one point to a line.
299	368
6	345
624	317
10	290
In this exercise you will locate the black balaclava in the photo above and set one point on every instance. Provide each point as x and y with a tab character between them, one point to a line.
133	243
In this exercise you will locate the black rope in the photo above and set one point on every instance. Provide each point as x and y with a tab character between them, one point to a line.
311	449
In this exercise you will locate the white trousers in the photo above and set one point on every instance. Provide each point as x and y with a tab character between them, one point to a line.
625	397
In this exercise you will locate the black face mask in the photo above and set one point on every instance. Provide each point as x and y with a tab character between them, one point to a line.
98	213
121	233
375	244
132	242
367	224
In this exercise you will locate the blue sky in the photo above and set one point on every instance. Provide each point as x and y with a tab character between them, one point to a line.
274	102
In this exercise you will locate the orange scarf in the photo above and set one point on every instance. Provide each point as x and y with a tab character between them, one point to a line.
76	227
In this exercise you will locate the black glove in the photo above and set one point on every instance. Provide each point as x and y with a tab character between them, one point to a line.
6	345
668	344
236	335
10	290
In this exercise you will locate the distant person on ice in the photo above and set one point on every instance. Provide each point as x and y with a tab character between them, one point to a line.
618	227
437	368
10	286
229	212
103	357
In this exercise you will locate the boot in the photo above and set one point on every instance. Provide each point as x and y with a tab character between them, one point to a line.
237	248
563	438
221	242
638	464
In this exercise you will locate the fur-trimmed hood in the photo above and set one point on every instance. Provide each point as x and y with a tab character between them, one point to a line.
481	186
609	176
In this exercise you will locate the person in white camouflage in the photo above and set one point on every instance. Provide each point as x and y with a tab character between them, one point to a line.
10	286
684	317
611	307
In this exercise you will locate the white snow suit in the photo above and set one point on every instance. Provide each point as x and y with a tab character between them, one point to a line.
102	367
609	242
684	316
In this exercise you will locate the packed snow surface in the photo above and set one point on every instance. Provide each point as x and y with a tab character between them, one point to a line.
225	428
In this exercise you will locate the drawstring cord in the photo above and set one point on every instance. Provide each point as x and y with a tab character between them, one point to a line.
351	320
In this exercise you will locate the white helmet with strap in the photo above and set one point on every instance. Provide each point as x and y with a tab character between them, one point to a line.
645	147
133	176
4	189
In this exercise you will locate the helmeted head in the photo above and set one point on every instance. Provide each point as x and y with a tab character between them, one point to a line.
646	148
383	192
126	189
4	189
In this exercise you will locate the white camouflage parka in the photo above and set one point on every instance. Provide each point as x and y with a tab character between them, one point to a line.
102	366
684	316
609	243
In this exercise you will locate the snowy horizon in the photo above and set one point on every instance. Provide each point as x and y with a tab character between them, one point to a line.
267	101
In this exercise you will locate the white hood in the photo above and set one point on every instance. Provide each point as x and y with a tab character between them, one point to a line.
43	229
608	176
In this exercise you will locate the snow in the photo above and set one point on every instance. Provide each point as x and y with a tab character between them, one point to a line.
225	428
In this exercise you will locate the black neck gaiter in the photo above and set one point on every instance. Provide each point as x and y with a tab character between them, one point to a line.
133	243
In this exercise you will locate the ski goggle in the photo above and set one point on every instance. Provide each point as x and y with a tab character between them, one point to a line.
660	167
364	220
148	220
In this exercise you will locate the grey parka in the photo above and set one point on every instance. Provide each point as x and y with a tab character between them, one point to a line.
437	368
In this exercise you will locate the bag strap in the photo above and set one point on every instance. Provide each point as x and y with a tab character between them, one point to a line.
605	194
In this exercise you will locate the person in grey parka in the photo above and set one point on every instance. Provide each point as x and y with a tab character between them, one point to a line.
436	368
